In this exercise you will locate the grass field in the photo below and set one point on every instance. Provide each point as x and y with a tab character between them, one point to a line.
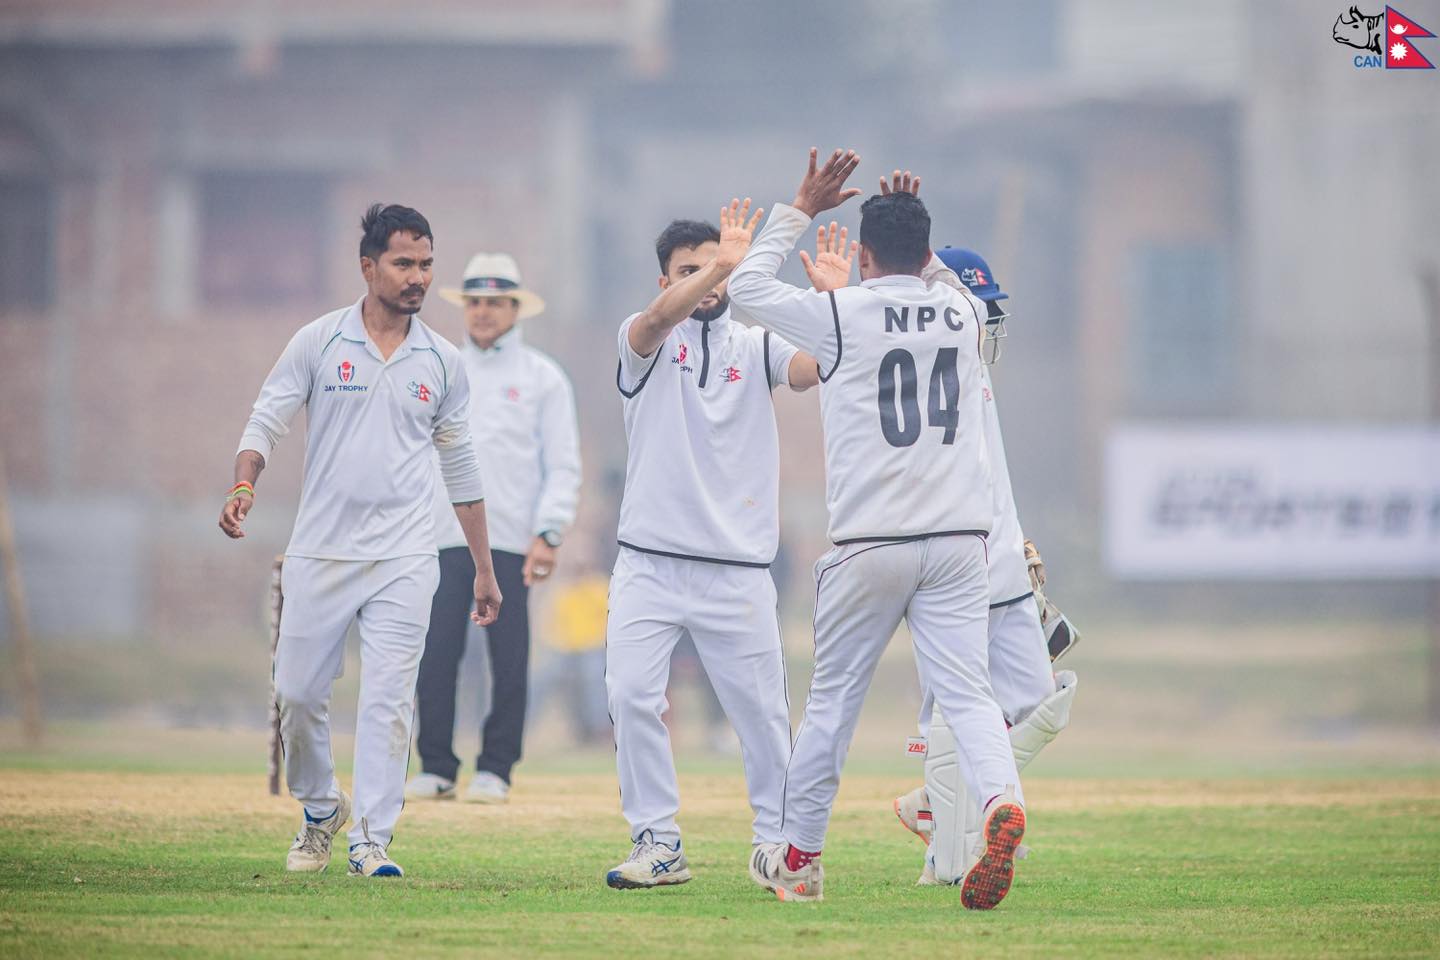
169	863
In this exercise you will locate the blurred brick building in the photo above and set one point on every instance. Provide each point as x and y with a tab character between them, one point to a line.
181	184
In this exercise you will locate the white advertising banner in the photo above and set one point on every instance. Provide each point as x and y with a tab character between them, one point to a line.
1231	501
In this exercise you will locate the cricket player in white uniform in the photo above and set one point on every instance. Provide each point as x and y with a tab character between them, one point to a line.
699	528
908	489
1036	702
380	390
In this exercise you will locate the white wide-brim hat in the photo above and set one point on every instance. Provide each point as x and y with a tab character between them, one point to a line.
494	275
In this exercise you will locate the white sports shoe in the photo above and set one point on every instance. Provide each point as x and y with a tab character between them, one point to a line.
429	786
485	787
310	853
767	868
913	810
370	860
650	864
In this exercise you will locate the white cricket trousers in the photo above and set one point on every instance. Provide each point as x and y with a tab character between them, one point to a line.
940	585
389	600
1020	670
730	614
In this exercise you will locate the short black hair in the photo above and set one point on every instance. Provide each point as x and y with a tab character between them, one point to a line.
896	229
382	221
686	234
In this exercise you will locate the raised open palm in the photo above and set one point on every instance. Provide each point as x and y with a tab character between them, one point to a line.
830	270
737	229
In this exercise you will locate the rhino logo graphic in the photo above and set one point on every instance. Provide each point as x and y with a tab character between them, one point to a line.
1362	31
1388	39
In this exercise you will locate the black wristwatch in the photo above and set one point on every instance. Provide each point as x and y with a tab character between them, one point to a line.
552	537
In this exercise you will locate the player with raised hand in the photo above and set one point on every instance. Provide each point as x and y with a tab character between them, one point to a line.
699	528
908	490
1036	702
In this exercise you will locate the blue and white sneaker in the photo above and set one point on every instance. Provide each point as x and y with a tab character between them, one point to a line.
370	860
310	853
651	864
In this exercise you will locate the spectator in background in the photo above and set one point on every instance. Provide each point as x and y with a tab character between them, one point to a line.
522	414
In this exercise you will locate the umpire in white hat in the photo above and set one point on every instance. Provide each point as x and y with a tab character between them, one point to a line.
522	413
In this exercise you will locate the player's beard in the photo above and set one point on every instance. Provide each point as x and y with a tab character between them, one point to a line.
706	314
407	303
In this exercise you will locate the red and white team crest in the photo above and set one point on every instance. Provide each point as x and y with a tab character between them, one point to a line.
419	391
346	371
731	374
680	357
512	395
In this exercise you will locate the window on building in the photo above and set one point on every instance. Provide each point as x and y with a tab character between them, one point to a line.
27	244
262	237
1183	352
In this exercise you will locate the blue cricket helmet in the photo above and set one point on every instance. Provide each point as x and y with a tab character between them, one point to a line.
974	272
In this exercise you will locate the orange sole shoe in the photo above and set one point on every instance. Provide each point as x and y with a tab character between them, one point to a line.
921	817
989	880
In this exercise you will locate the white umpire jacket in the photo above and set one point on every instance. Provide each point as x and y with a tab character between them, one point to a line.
522	416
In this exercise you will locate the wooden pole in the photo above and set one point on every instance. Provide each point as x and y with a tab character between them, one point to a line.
277	602
26	676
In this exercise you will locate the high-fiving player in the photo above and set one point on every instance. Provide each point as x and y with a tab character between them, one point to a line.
908	490
699	528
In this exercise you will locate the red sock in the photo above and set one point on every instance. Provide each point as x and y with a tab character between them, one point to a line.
795	858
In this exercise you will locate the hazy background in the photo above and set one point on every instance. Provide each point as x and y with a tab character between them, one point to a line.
1209	219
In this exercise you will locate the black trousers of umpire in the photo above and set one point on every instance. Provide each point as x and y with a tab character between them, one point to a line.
509	641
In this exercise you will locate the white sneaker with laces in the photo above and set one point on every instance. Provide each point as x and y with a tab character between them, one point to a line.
368	859
767	868
486	787
650	864
429	786
310	853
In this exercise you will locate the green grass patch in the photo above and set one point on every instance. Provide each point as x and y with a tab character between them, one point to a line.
170	866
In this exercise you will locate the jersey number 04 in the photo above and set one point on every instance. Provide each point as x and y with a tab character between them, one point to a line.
897	369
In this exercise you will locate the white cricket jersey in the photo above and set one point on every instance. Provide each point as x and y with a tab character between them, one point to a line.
702	473
522	414
1005	548
370	428
900	392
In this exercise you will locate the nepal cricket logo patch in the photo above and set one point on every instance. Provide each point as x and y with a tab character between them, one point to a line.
419	391
680	357
1385	37
731	374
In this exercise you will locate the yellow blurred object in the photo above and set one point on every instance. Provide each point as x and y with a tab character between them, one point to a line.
578	615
